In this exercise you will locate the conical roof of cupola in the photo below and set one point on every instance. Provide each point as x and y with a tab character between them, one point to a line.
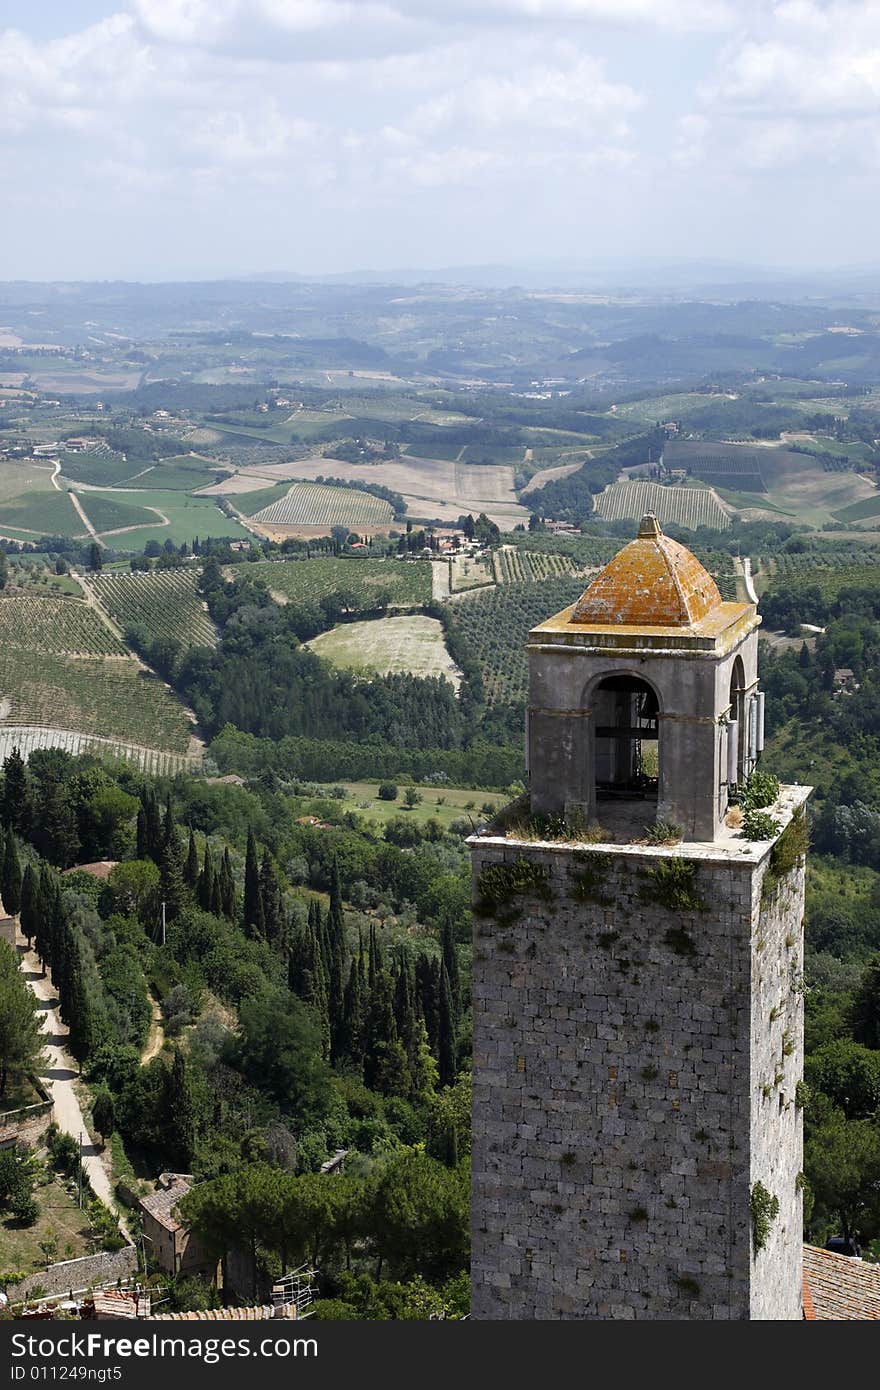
652	582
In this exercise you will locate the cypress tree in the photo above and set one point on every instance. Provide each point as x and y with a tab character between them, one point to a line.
171	883
143	842
31	907
17	804
10	882
180	1110
352	1013
270	899
191	868
205	887
227	886
42	937
216	900
446	1043
428	991
450	960
55	829
253	902
152	838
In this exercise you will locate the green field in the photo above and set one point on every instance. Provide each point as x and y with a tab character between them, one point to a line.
61	1220
444	804
107	512
179	473
62	668
187	517
98	470
659	408
314	504
54	625
164	603
110	697
404	582
859	511
44	512
683	506
386	646
496	623
446	453
250	502
512	565
829	571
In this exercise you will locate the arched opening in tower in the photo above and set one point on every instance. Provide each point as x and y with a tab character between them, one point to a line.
737	749
627	739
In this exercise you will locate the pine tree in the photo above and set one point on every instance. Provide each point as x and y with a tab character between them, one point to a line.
253	902
17	803
31	905
446	1047
191	868
10	881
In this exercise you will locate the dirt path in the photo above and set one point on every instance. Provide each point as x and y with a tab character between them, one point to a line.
84	519
140	525
747	576
59	1073
91	599
156	1039
440	588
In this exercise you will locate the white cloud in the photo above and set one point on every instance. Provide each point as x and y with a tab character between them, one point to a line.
798	89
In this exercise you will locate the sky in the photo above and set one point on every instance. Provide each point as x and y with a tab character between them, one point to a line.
170	139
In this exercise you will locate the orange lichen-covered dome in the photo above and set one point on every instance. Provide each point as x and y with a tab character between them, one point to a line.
652	582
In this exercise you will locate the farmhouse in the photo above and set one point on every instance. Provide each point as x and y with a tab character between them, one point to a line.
172	1247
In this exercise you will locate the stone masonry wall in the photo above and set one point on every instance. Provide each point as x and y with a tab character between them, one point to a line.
77	1275
25	1126
613	1088
777	1066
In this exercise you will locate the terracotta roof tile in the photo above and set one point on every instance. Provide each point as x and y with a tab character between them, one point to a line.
841	1288
652	582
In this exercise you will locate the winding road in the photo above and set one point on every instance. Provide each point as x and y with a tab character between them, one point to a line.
59	1073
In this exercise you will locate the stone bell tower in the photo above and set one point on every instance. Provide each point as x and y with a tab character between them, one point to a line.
638	1003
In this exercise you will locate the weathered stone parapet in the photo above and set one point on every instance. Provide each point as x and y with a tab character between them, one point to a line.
30	1122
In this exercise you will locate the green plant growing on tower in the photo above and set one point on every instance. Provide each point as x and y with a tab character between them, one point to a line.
787	853
672	884
759	825
588	877
663	832
762	789
764	1208
498	884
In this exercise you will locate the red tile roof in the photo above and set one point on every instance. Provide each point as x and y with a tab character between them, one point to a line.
839	1288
